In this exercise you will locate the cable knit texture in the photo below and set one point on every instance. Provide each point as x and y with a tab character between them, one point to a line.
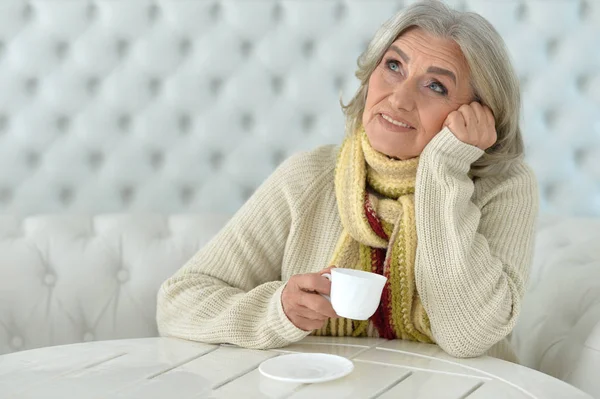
471	264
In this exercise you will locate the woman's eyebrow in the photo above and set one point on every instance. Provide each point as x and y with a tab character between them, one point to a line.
442	71
431	69
401	53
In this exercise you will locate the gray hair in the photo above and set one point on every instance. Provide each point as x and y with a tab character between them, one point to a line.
493	78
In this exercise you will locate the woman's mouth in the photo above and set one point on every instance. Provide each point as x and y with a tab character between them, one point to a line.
394	125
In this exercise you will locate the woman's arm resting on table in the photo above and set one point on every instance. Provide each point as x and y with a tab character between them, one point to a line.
230	291
472	260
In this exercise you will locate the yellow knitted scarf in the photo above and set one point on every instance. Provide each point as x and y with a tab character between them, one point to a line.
375	196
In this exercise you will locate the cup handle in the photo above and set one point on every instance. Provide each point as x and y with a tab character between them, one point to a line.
328	277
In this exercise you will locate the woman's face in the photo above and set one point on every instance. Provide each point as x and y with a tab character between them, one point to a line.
419	81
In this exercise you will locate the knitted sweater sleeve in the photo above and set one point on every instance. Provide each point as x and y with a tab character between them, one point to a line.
230	290
472	260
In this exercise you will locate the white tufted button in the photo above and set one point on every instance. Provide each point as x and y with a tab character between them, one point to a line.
308	47
31	86
215	11
50	279
215	86
277	12
185	46
524	80
27	12
92	85
551	47
122	275
246	192
277	84
247	121
365	43
32	158
186	194
550	117
582	82
5	195
156	159
88	336
62	48
521	12
549	190
339	11
216	160
122	48
308	121
584	10
246	48
3	123
154	86
278	157
126	194
65	195
153	12
124	122
91	12
461	6
184	123
338	83
62	123
95	159
579	155
16	342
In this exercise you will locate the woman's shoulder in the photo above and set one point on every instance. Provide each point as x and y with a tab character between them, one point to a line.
516	170
517	179
304	176
320	157
310	165
304	172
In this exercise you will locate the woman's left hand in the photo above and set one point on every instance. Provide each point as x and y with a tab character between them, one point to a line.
473	124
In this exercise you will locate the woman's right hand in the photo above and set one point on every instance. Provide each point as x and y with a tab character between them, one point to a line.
302	303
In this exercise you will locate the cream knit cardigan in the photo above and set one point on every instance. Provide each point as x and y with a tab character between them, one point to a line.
472	262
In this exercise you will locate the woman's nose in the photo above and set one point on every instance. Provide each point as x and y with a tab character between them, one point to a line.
403	96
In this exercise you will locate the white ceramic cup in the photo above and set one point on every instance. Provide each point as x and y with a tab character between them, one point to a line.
355	294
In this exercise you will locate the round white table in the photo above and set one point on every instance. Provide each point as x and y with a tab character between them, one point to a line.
170	368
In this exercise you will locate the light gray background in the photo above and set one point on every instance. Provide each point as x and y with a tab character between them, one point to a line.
187	106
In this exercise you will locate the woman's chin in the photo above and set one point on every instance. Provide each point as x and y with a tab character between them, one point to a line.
389	148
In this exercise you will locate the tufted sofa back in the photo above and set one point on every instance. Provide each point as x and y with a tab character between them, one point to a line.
74	278
186	106
558	331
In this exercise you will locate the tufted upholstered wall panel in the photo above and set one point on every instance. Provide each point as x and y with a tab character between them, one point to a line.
187	106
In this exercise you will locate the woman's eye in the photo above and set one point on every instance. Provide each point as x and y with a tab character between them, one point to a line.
393	65
438	88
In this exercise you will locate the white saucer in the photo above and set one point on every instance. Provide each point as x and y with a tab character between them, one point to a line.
306	367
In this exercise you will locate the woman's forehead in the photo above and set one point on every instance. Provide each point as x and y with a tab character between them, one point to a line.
441	52
417	39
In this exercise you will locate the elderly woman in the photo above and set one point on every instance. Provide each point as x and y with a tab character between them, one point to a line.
429	188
